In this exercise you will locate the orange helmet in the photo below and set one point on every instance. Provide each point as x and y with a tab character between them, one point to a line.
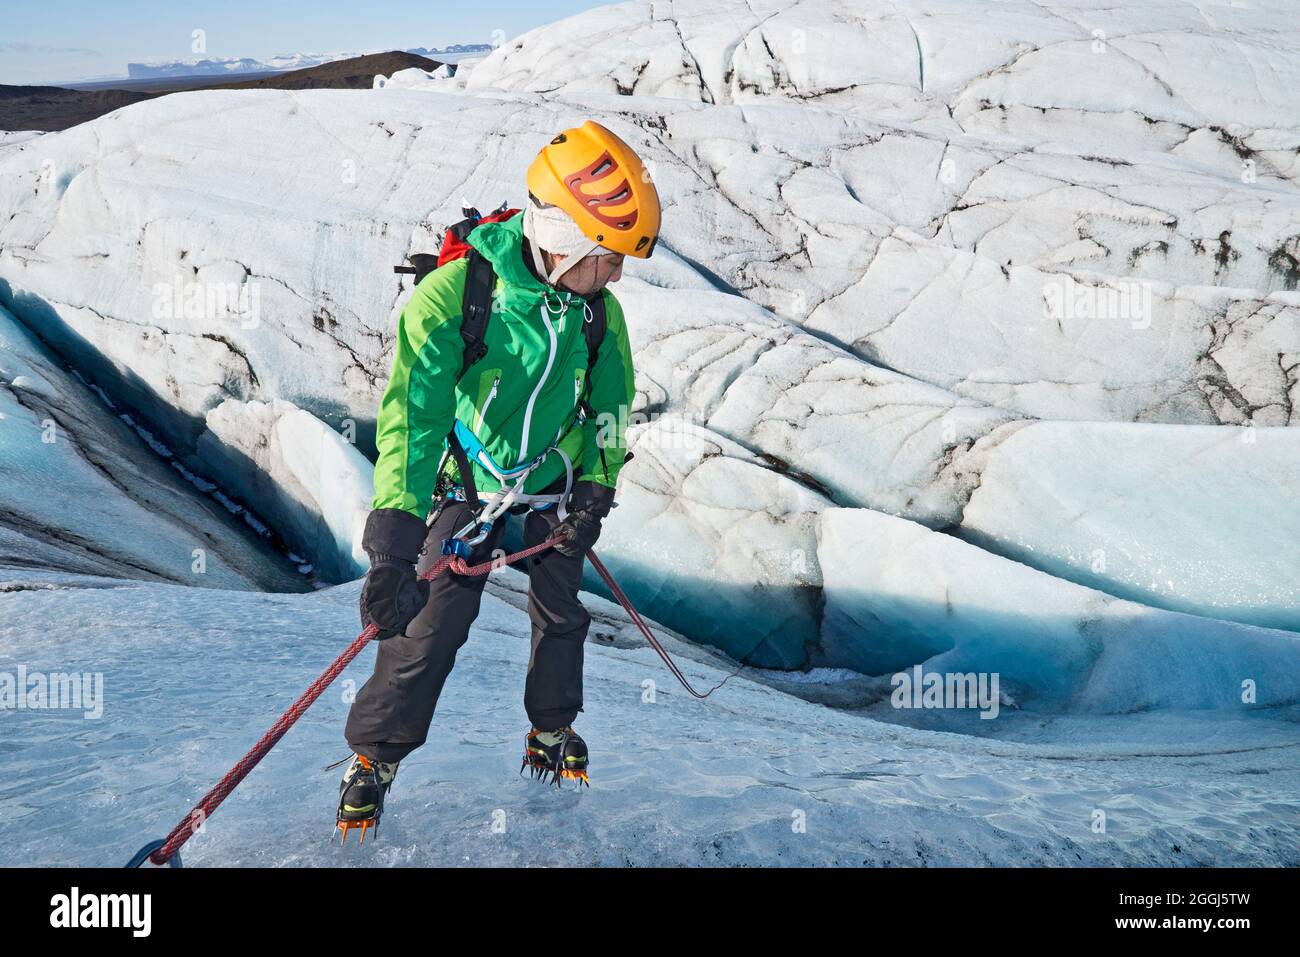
604	187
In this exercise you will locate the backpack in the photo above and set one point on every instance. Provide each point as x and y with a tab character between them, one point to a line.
476	308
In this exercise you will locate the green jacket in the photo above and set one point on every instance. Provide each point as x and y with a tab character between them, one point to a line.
518	399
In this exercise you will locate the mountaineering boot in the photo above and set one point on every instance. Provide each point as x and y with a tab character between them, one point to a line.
561	754
361	795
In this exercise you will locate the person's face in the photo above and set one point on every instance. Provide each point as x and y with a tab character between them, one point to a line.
591	274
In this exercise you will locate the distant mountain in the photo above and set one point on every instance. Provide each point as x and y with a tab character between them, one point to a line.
235	66
354	73
54	108
226	66
456	51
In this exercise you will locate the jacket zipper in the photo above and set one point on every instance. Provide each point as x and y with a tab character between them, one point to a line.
482	413
532	399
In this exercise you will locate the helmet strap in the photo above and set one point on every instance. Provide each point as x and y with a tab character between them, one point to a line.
569	263
550	228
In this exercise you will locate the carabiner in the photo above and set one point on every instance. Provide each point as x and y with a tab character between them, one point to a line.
460	546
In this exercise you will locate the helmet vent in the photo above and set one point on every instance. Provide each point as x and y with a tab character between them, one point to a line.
595	169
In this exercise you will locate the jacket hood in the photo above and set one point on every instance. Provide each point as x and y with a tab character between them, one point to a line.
502	244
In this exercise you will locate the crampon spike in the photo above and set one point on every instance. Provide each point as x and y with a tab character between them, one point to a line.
570	775
369	824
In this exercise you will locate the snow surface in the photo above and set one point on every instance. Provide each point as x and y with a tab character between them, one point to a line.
413	77
908	177
14	137
928	597
802	583
674	782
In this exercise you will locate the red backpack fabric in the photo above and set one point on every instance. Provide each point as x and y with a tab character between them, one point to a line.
454	241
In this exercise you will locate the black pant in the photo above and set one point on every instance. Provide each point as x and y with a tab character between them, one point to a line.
391	714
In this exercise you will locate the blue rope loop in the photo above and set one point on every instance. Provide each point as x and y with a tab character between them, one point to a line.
478	454
142	855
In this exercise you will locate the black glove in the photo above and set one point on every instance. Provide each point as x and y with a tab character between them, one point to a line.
588	505
392	594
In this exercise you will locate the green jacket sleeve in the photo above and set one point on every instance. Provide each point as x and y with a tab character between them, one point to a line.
604	446
419	404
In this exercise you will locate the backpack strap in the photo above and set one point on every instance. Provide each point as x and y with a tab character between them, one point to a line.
476	307
421	265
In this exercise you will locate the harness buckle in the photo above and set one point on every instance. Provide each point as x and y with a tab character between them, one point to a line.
461	546
455	547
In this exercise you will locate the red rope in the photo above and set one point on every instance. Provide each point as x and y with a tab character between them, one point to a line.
191	823
623	600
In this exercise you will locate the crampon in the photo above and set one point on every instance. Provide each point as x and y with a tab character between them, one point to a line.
561	755
362	791
363	826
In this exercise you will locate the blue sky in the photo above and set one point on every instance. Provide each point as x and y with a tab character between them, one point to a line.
46	41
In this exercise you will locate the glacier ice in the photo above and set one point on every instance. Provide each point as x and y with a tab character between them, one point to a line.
930	598
308	480
82	495
883	289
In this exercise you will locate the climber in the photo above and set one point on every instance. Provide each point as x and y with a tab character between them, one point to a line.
510	384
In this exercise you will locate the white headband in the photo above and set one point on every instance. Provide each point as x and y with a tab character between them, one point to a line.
552	229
